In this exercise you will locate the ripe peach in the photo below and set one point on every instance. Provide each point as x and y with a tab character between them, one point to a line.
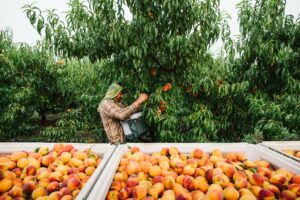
257	179
288	175
164	165
296	179
209	174
123	162
34	162
262	163
74	162
153	192
249	164
57	147
255	190
43	151
139	192
159	187
248	197
80	155
132	181
146	183
47	160
89	162
231	157
178	168
173	150
67	197
16	191
196	153
65	191
65	148
213	187
168	195
229	170
125	193
43	183
22	163
288	195
184	196
294	188
200	171
74	183
55	176
75	192
17	172
202	184
230	193
216	152
28	187
190	183
239	174
272	188
192	162
188	170
164	151
180	178
81	175
266	194
15	156
155	171
278	179
264	171
5	185
134	149
43	174
38	192
132	168
169	182
121	176
55	196
53	186
214	195
90	170
157	179
241	156
72	170
142	176
221	179
241	183
30	170
34	155
197	195
145	166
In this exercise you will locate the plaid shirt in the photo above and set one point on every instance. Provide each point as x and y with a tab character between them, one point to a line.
111	114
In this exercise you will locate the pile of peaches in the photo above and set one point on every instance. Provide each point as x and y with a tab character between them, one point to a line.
170	174
295	153
59	173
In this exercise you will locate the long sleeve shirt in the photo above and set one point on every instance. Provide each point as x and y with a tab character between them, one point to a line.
111	113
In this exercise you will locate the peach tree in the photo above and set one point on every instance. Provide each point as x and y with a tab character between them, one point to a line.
163	49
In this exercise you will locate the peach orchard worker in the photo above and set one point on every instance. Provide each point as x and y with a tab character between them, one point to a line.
112	111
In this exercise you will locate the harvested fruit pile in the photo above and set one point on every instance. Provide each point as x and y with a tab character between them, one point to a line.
295	153
59	173
170	174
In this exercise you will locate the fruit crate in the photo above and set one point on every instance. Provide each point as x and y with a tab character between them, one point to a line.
286	148
104	151
253	152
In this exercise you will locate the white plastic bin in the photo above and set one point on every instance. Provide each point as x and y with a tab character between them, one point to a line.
279	147
253	152
105	151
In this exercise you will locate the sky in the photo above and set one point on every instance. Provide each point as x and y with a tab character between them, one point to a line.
12	16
